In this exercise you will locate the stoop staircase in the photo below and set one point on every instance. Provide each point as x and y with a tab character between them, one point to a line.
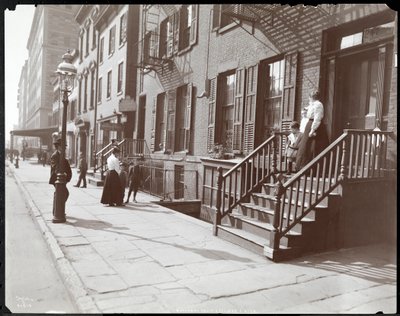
251	223
283	217
130	149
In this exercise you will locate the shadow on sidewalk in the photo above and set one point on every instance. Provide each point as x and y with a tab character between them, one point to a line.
376	264
106	226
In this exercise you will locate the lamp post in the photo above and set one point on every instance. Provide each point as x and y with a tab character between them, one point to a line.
66	72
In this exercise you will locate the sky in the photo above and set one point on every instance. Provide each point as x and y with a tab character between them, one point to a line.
17	25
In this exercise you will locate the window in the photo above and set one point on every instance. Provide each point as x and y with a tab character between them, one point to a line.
80	96
188	26
273	97
228	86
111	43
178	32
179	182
109	84
92	88
101	50
235	120
122	29
172	120
120	75
99	93
159	122
221	17
183	118
85	93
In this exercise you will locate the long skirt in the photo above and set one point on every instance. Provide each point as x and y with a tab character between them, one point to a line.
310	147
112	190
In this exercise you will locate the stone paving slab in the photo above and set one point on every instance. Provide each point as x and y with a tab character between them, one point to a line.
145	258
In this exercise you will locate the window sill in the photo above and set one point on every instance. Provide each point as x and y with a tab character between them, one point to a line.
122	44
108	98
119	93
84	111
227	27
111	54
184	50
99	103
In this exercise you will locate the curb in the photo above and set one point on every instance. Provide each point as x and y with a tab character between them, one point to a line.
73	283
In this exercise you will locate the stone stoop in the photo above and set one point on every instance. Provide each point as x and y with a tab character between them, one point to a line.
94	178
250	226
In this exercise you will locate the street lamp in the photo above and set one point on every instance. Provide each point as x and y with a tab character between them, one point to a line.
66	72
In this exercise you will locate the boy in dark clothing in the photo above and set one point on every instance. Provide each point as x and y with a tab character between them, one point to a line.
82	166
135	178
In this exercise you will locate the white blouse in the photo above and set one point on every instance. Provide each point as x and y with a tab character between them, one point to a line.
113	163
315	111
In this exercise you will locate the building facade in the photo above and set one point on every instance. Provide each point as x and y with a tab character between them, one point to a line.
227	76
52	33
117	27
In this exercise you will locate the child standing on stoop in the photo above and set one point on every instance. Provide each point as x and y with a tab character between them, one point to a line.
292	145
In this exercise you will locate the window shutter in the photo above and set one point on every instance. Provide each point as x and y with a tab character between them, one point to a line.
289	89
170	121
175	28
250	108
216	16
238	111
188	116
153	125
193	27
380	86
211	114
170	36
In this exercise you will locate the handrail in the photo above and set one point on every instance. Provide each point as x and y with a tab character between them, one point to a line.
245	177
355	154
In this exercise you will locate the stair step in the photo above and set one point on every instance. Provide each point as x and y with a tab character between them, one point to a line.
260	224
271	199
249	241
95	181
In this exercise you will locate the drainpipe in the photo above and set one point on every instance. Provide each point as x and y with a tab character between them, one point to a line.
95	101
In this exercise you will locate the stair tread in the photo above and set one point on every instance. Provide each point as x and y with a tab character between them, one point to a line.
268	210
258	223
268	196
249	236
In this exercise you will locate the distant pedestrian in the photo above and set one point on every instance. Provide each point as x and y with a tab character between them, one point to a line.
82	166
44	158
112	191
55	169
135	177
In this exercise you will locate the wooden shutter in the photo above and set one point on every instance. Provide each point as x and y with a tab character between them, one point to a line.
216	16
211	114
170	121
188	116
380	86
238	111
289	89
250	109
153	125
154	42
170	36
175	28
193	27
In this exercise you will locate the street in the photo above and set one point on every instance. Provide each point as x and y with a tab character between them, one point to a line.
33	284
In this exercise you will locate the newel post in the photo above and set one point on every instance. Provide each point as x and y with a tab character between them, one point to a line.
274	240
217	218
343	166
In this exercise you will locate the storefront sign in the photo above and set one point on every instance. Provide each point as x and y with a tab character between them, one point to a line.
127	105
111	126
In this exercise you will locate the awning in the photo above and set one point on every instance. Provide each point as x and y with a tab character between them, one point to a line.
36	132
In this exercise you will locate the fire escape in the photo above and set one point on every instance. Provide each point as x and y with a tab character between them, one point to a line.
280	22
158	44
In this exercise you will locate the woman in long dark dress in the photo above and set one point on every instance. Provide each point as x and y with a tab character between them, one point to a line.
112	190
314	138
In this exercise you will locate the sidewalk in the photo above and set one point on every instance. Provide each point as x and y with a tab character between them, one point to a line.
146	258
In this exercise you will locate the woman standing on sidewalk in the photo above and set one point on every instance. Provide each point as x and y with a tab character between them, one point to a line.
112	191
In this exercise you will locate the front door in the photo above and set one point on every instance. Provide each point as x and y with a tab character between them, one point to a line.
357	87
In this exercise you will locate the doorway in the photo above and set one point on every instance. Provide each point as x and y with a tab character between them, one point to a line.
357	87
